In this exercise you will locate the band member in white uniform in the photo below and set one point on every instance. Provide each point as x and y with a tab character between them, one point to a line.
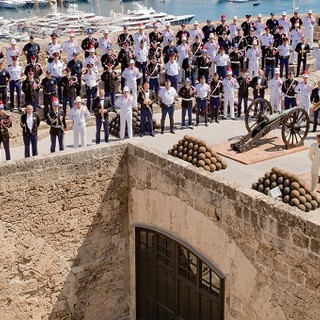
79	114
309	21
303	90
275	86
229	84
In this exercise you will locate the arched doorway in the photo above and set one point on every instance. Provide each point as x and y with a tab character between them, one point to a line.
173	283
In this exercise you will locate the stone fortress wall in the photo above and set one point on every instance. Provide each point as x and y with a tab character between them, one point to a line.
67	233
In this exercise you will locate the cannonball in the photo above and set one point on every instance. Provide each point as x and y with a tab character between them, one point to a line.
138	124
194	161
302	191
197	140
294	178
274	177
207	161
287	174
219	158
195	147
202	143
280	186
214	153
185	150
185	157
218	166
180	154
187	137
274	169
190	145
195	154
287	182
201	163
294	194
175	147
314	204
191	138
260	188
286	190
207	168
281	172
294	202
302	183
302	199
308	197
267	182
212	167
213	159
267	175
280	180
208	154
190	152
189	159
266	190
134	114
313	195
261	180
308	206
135	109
201	156
186	143
273	184
202	149
294	186
181	142
255	185
175	153
138	118
286	199
302	207
170	151
180	148
224	164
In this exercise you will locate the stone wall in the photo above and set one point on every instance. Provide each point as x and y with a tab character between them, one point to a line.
63	233
67	227
268	251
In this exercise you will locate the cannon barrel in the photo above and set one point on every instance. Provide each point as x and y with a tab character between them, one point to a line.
276	116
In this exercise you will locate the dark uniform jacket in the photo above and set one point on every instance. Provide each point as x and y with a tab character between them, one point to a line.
75	67
86	43
4	78
69	85
206	32
315	95
246	26
141	98
109	77
25	129
186	94
57	125
30	93
263	85
154	52
125	37
156	36
272	25
153	70
180	34
36	68
236	58
96	106
306	49
49	85
124	58
244	84
241	41
270	55
216	88
167	51
109	58
222	28
288	87
7	123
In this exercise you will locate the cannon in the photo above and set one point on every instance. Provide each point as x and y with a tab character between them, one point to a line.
260	120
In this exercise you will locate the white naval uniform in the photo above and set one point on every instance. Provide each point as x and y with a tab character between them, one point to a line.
103	44
309	29
53	48
316	55
285	24
259	28
234	28
254	57
166	35
183	54
79	116
10	53
195	32
56	69
131	76
314	156
295	36
71	47
266	39
229	86
125	105
94	60
141	54
140	36
212	50
303	92
275	86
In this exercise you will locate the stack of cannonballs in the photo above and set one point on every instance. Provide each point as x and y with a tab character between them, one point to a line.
199	153
294	190
114	125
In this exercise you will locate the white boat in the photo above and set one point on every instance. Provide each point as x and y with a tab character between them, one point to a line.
238	1
11	4
146	16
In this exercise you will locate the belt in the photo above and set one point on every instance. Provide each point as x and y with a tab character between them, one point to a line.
16	80
284	57
3	86
202	99
154	77
237	62
204	67
48	92
187	99
215	96
167	105
94	87
289	96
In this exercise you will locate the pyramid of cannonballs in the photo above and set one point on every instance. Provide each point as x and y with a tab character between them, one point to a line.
114	125
293	189
199	153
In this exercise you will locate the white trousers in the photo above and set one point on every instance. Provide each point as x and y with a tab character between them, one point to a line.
275	101
82	132
253	69
304	102
308	34
132	85
125	118
293	53
228	99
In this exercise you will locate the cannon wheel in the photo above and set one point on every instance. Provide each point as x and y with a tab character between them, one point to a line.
295	128
255	113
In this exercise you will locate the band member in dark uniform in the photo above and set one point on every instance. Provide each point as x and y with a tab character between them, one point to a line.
259	85
101	107
216	89
125	37
187	93
31	87
35	67
236	58
156	35
189	65
302	49
31	49
109	57
146	98
315	99
272	23
88	42
168	50
271	56
68	84
288	87
182	33
154	51
30	122
5	124
243	92
223	27
109	78
49	86
124	57
204	64
207	29
247	25
4	80
57	122
153	73
75	65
